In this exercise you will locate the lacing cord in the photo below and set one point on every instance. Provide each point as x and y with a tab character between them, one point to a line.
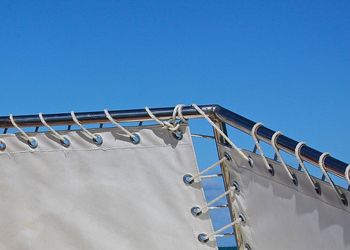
189	179
133	137
257	144
347	173
172	127
96	138
203	237
64	140
200	111
32	142
321	163
164	124
196	210
280	158
178	112
301	163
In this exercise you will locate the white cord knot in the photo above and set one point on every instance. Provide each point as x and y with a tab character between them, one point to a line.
178	112
174	128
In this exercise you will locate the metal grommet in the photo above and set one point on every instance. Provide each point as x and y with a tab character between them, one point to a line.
250	161
188	179
98	140
65	142
271	170
2	145
203	237
178	135
228	157
135	138
318	188
236	187
196	211
344	200
247	247
242	217
32	142
295	180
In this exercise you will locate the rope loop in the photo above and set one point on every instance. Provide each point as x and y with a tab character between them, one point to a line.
203	237
63	140
190	179
347	173
196	210
257	144
96	138
315	184
31	141
134	138
274	138
321	163
178	112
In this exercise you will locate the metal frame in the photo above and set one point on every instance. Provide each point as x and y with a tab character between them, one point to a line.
216	112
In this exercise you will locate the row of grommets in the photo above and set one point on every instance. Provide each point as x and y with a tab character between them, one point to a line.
97	139
197	211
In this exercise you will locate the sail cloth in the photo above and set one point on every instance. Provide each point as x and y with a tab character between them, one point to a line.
114	196
280	215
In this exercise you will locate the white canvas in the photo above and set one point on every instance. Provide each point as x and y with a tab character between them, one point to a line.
281	215
114	196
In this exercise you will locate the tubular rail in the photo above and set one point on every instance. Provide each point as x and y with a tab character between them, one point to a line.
216	112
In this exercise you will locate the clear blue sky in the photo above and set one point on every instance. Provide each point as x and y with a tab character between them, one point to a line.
285	63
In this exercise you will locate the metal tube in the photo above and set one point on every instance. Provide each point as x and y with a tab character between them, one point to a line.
215	111
100	116
227	183
285	143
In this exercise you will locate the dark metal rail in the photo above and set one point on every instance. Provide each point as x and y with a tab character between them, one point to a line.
214	111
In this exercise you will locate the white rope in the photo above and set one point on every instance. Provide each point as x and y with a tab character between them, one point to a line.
239	220
60	137
257	144
274	145
347	173
164	124
207	169
323	168
30	140
178	112
220	132
88	133
110	118
229	191
301	163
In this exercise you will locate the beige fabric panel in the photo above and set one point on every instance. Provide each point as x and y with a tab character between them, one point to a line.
281	215
114	196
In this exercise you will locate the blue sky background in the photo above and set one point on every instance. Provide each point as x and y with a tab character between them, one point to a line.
285	63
